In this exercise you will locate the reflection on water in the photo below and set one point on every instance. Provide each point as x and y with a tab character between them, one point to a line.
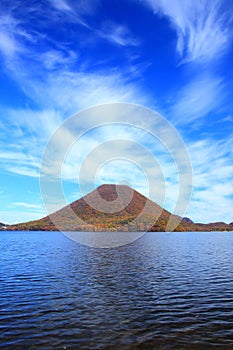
163	291
104	239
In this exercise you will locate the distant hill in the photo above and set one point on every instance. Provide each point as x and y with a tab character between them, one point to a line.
187	220
115	213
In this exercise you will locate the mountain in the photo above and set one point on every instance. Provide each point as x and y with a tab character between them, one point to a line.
115	208
188	220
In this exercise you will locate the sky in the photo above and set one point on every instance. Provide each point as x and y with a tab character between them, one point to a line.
59	57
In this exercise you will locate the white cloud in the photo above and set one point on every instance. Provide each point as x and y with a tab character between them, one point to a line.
22	170
59	93
20	162
118	34
7	44
68	91
29	132
196	99
62	6
9	37
81	7
226	119
202	27
40	123
62	84
74	12
26	205
212	180
54	59
115	33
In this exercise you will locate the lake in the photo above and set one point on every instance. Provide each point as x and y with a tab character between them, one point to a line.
163	291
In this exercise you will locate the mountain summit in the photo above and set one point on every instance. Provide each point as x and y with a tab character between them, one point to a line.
109	207
115	208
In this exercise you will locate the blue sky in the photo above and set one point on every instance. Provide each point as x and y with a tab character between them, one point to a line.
59	57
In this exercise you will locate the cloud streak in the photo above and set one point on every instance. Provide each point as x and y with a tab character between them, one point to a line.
117	34
62	80
202	27
10	37
26	205
213	187
53	80
197	99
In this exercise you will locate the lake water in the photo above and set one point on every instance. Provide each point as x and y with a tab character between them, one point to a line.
163	291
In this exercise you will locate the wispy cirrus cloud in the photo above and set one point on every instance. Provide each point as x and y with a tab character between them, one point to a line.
202	27
197	99
26	205
18	162
72	12
81	7
56	59
54	70
117	34
62	5
10	37
52	78
212	180
29	131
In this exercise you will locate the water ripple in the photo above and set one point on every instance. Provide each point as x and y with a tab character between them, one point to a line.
164	291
